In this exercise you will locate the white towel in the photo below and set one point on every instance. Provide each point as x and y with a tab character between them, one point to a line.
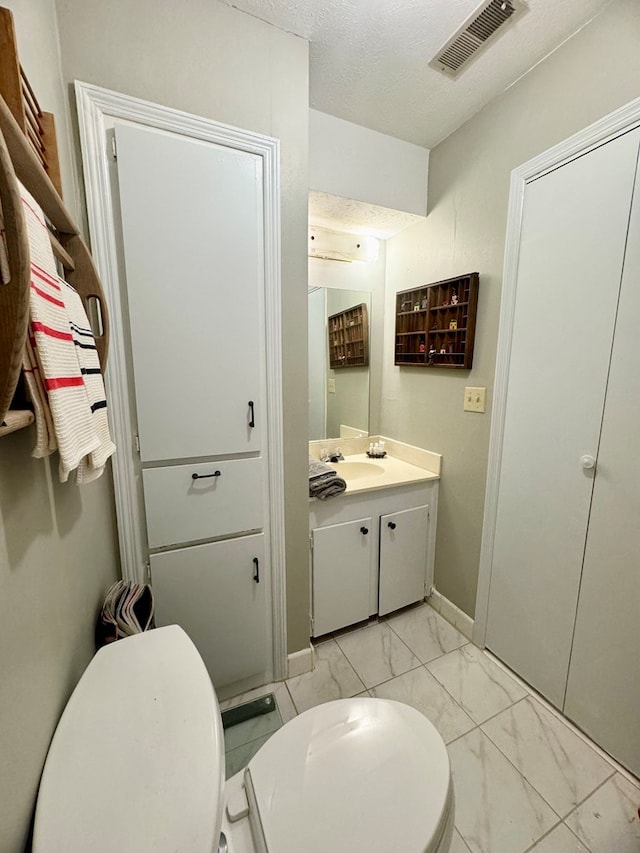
68	395
91	466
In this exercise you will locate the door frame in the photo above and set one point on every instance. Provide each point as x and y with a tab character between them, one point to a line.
97	109
616	123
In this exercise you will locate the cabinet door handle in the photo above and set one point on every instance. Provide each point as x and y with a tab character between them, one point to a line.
256	576
391	525
204	476
364	530
252	418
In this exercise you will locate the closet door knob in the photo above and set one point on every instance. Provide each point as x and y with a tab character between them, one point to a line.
252	414
391	525
204	476
364	530
587	462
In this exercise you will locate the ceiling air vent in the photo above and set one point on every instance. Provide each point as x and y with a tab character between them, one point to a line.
474	34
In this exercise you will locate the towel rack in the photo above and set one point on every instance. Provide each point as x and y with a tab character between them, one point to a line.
28	153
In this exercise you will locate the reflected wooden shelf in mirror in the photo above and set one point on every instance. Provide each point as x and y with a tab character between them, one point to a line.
436	323
349	337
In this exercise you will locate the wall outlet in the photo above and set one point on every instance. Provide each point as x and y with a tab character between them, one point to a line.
331	386
474	399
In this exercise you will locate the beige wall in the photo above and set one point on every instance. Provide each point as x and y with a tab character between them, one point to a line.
592	74
58	550
207	58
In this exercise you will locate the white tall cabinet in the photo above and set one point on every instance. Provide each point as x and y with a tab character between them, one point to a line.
192	232
564	598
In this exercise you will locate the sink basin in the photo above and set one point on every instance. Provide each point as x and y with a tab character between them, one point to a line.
357	470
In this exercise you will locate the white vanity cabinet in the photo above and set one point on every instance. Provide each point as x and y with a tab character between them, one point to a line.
398	550
341	561
404	537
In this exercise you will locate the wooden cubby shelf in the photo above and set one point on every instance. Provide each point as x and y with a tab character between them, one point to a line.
436	323
349	337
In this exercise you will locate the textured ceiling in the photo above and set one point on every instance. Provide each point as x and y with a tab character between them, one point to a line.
368	58
356	217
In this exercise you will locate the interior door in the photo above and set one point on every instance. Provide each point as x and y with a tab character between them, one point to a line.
603	691
574	229
193	247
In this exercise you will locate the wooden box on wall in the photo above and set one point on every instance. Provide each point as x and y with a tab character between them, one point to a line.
349	337
436	323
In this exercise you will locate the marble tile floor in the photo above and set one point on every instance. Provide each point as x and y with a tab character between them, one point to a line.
525	779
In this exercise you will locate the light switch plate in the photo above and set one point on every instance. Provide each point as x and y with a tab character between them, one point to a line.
474	399
331	386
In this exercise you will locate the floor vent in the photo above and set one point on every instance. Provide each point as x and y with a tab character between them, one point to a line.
474	35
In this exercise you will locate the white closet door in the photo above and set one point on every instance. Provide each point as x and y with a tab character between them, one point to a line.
603	692
218	593
574	228
193	246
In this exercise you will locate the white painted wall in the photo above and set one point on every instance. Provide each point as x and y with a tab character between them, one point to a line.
590	75
58	549
354	162
207	58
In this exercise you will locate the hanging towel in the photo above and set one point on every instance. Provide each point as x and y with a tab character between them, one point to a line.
324	481
91	466
55	352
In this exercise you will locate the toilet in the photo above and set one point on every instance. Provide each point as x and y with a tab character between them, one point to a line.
136	765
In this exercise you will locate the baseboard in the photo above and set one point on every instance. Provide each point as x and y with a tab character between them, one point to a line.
448	610
300	662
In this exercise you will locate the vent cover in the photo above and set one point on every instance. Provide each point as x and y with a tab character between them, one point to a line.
474	34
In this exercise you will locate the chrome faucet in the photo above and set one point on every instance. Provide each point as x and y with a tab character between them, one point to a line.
331	455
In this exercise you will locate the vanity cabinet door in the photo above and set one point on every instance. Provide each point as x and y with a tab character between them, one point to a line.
219	595
340	575
403	558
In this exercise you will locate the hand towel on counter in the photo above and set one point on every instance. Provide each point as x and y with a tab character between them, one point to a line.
324	481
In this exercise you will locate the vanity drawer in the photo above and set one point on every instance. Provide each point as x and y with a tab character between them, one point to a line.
225	498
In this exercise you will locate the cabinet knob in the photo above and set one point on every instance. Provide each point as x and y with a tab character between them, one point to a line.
252	414
364	530
204	476
587	462
256	575
391	525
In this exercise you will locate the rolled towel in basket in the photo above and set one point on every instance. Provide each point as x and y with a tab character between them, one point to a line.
324	481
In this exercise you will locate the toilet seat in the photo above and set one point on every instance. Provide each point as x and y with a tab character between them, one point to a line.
351	775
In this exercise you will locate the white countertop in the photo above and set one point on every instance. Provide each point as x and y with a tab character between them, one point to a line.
363	474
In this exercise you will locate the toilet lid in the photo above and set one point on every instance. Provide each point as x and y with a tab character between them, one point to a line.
355	774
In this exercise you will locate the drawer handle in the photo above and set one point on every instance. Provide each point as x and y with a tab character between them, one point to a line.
364	530
256	577
204	476
391	525
252	419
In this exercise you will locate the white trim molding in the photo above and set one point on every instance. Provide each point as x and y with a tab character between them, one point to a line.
451	612
98	109
621	121
300	662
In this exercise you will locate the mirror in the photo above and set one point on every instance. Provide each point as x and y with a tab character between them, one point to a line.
338	398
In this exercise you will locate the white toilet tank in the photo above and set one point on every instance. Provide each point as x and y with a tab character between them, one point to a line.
137	762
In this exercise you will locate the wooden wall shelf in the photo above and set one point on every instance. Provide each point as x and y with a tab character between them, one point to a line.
349	337
436	323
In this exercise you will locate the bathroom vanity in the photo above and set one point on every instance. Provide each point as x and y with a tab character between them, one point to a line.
372	548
